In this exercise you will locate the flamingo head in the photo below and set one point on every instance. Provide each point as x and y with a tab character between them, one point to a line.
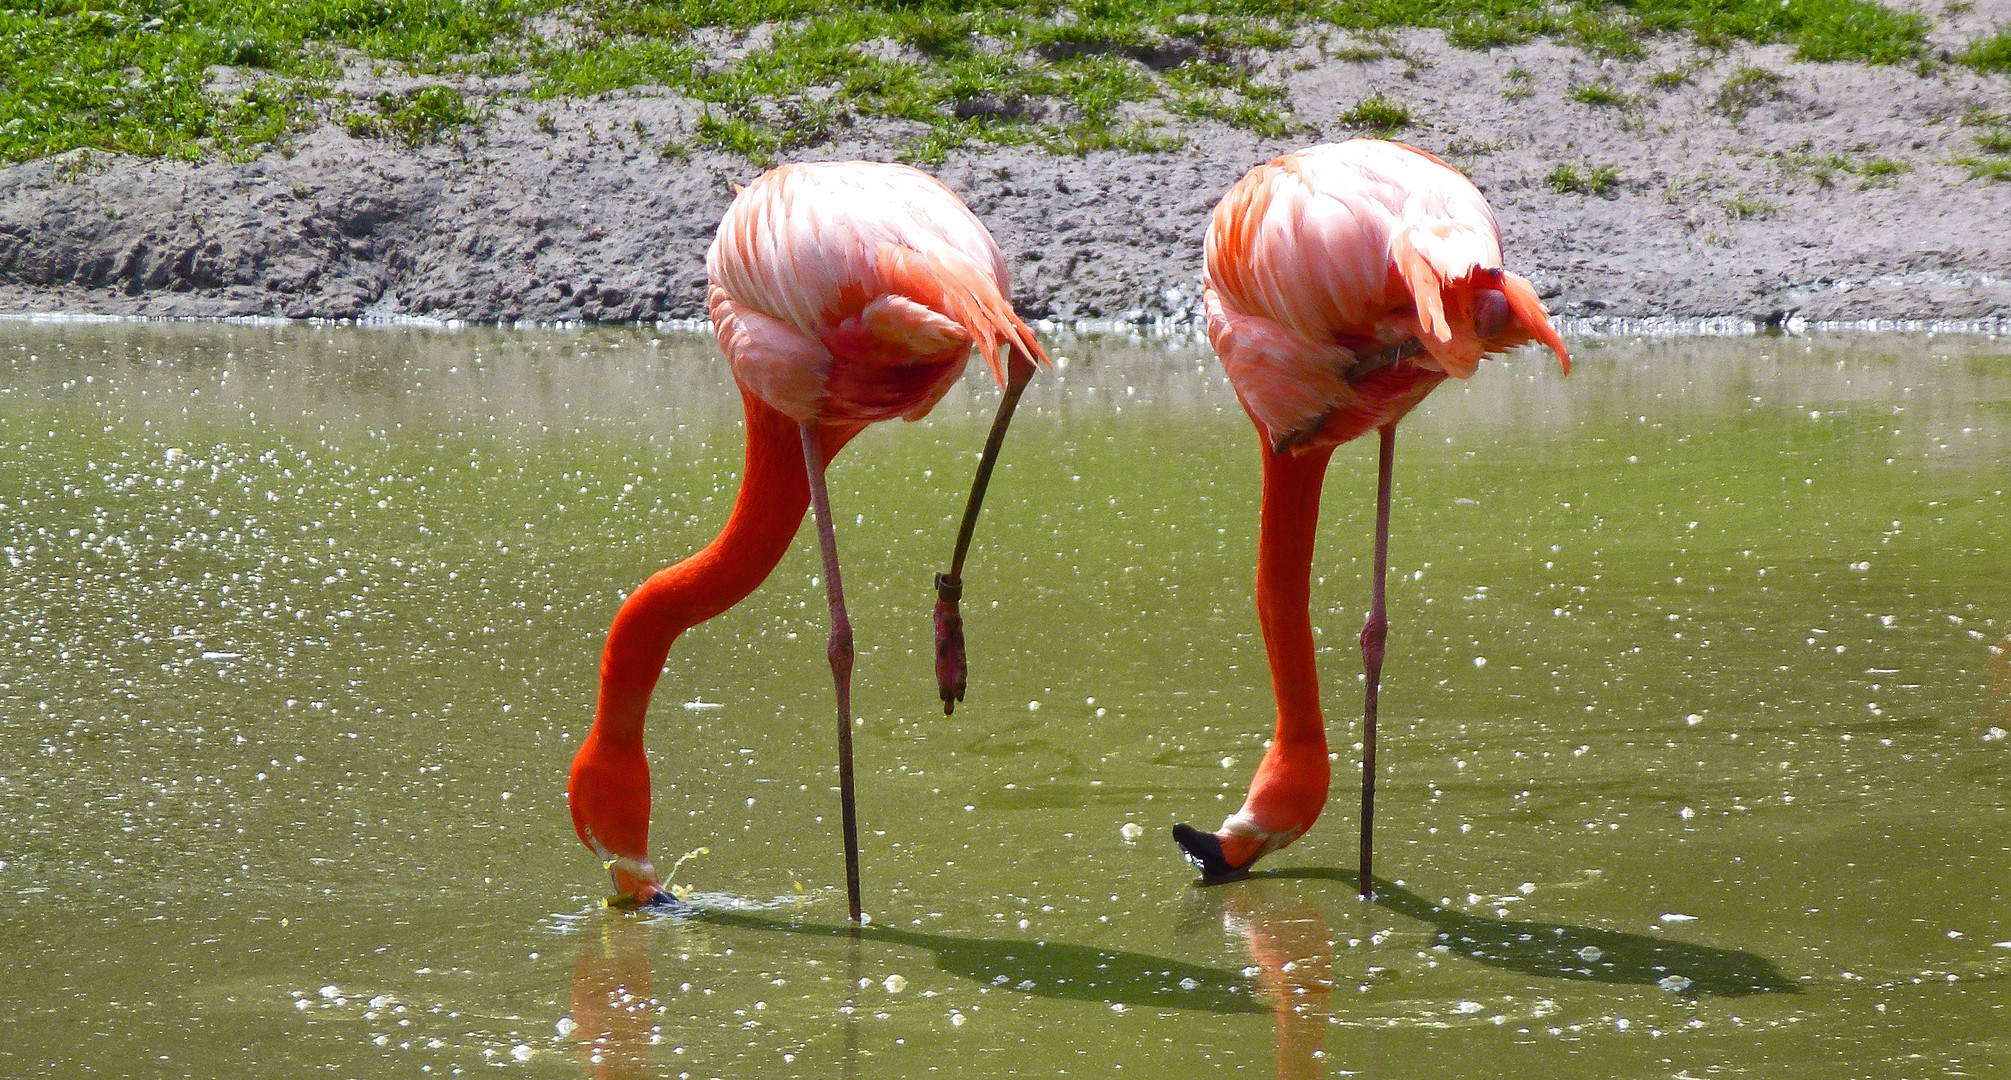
609	796
1506	312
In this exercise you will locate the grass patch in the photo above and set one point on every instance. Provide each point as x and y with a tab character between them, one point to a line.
1818	29
1517	83
1744	89
415	118
1743	205
1599	180
1825	168
142	76
1602	94
1995	141
1378	116
1991	54
1986	168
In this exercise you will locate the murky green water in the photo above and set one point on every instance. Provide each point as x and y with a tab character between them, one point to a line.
1692	674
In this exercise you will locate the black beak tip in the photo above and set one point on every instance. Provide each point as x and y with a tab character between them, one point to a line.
663	901
1204	850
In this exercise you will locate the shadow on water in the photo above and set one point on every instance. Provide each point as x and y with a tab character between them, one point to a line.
1044	968
1557	951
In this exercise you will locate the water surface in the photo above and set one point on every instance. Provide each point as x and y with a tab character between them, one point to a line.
1694	738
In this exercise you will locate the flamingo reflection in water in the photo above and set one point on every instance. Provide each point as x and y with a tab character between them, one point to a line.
1293	950
614	1008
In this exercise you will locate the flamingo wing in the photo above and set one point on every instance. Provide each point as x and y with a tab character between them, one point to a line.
880	264
1321	255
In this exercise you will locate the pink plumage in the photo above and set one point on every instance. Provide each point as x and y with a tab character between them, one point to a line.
1343	283
852	291
1321	257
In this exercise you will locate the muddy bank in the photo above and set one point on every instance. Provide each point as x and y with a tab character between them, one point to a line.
1818	191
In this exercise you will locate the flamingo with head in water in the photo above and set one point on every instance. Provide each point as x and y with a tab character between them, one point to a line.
1342	284
843	293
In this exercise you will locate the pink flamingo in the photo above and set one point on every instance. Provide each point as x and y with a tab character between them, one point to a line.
1343	283
843	293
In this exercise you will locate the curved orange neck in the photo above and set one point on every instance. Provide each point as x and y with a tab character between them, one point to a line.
609	787
1290	787
1291	518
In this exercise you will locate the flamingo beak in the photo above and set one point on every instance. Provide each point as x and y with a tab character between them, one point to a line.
635	880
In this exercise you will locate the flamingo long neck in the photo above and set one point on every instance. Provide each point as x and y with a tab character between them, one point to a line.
610	779
774	494
1290	519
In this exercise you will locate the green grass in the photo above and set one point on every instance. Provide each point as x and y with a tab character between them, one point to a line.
1992	53
1744	205
1566	179
1994	141
1824	168
1745	88
139	76
1986	168
1602	94
1378	116
427	115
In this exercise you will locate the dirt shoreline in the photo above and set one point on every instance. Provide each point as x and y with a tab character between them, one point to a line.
566	210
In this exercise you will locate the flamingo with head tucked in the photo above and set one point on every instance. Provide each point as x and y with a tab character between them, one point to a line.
842	293
1342	284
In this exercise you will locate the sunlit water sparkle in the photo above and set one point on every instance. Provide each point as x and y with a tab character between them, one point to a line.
1694	753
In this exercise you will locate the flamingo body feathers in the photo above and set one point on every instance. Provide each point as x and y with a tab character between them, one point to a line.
851	292
1319	258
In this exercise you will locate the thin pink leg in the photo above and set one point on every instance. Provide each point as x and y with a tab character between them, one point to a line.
840	652
1374	631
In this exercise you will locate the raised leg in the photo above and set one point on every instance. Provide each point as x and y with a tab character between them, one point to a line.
1374	631
840	652
952	671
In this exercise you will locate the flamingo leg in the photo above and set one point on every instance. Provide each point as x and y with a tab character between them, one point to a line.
1374	631
952	671
840	652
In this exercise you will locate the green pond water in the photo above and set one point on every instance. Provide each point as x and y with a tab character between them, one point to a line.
1694	739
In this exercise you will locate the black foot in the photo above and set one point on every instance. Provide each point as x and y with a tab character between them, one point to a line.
1204	850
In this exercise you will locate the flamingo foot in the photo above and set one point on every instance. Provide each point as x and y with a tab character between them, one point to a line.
1204	850
952	670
